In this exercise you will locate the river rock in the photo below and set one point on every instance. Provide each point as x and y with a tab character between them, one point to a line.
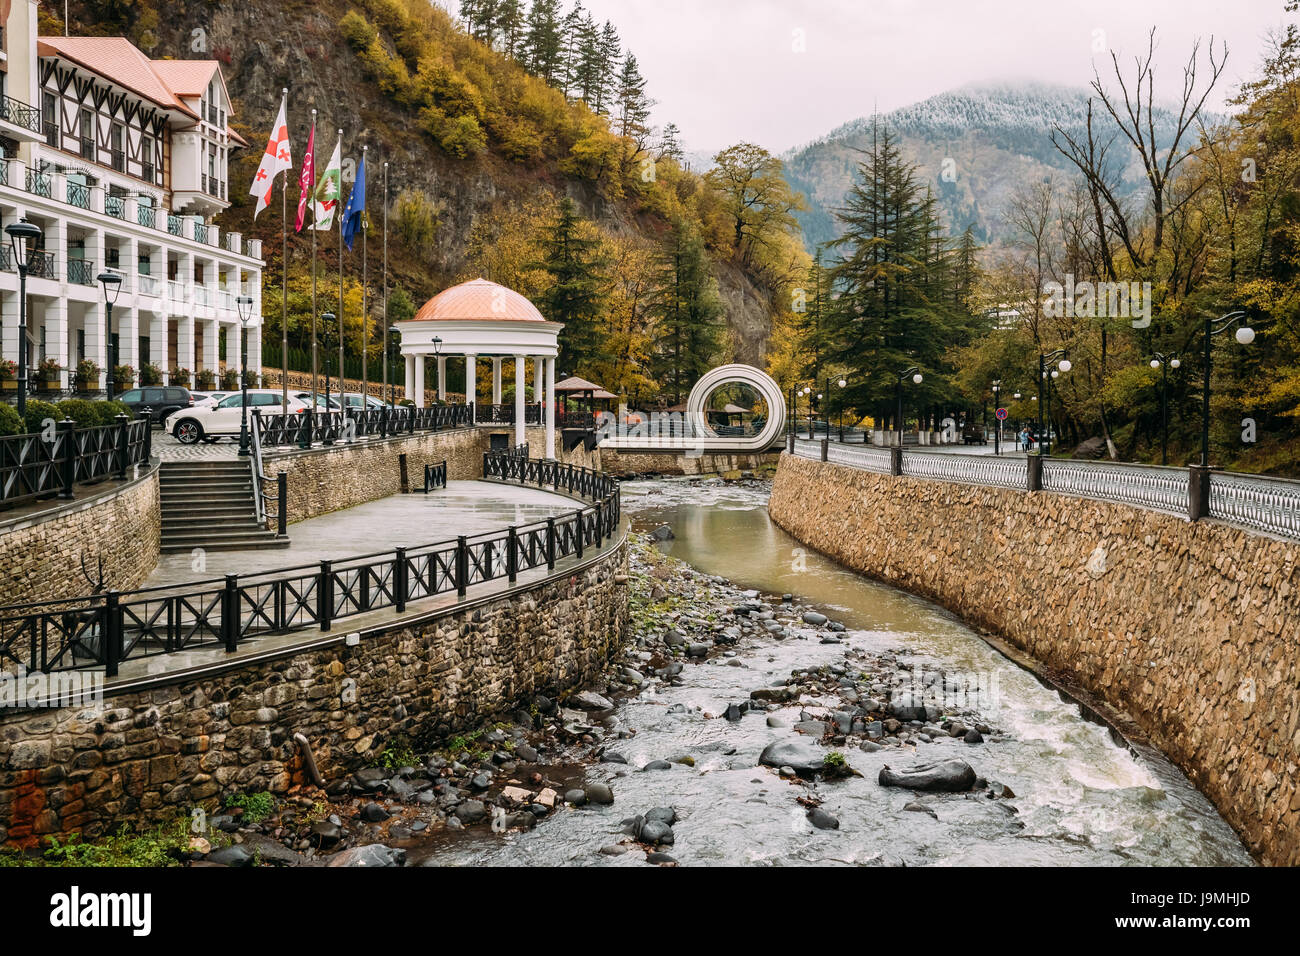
656	833
374	813
599	793
663	814
916	806
796	754
575	797
947	776
658	765
973	736
822	820
233	855
471	811
590	700
814	618
774	695
662	533
372	855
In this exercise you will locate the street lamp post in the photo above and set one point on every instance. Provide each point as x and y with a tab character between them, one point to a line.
915	374
806	392
997	422
437	351
23	239
112	284
1245	335
840	383
244	303
1164	363
1045	401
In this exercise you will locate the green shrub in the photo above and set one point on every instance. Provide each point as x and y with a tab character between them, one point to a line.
256	806
229	380
205	380
107	412
81	411
38	412
150	374
10	421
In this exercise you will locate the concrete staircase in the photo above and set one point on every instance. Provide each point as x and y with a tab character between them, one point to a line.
209	504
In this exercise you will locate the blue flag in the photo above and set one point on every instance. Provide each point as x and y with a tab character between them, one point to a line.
355	210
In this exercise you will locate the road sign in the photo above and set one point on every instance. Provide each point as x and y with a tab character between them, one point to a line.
1001	413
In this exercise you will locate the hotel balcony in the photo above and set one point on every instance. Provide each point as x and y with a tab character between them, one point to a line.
20	121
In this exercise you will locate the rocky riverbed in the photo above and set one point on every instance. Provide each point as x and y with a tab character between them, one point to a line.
746	726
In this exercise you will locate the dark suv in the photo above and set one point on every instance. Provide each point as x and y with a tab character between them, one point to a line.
161	400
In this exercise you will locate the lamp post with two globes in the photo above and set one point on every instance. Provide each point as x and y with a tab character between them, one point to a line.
1164	363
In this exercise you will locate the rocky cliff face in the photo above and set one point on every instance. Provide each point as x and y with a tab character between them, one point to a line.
266	47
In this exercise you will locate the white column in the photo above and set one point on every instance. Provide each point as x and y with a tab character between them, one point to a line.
158	341
211	352
127	321
185	345
57	344
496	380
549	398
519	399
255	350
419	379
537	378
408	383
96	346
471	384
442	378
9	335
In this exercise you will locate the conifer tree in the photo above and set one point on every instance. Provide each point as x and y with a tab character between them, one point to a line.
545	42
576	269
688	313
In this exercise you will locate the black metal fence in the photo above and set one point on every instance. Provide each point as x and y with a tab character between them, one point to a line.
104	630
328	428
44	465
435	476
504	414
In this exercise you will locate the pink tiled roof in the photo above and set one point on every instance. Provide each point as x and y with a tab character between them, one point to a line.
479	300
121	61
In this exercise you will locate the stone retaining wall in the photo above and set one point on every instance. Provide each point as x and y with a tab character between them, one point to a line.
322	480
1189	628
41	551
152	754
654	462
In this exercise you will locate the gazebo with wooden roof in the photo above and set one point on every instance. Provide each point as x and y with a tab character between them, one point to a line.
483	319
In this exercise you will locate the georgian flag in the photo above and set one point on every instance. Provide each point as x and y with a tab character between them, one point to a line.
275	160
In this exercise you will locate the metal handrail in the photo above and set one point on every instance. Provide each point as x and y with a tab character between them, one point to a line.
106	629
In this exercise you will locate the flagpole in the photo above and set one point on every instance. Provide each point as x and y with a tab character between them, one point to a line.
284	291
312	206
388	396
343	395
365	305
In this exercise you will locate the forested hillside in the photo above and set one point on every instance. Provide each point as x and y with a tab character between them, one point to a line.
506	127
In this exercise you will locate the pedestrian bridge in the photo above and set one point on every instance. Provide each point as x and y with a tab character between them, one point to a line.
699	429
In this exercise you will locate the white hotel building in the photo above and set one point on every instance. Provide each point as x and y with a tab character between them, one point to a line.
122	162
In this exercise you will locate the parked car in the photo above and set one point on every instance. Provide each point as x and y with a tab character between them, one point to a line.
973	434
161	400
207	399
222	420
354	401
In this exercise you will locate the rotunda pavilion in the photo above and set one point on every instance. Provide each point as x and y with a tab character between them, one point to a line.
481	319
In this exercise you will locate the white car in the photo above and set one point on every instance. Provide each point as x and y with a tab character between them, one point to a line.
207	399
222	420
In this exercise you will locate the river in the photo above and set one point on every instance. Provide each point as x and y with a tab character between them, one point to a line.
1081	796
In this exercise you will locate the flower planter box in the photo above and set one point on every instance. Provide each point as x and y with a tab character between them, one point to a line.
9	385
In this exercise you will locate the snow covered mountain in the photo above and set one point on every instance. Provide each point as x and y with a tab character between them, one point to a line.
996	136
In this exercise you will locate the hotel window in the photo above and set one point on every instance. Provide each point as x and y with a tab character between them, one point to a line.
87	128
50	118
116	136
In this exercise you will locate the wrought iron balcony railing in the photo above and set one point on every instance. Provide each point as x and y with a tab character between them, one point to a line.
20	114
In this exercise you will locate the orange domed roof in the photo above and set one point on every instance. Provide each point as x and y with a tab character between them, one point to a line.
479	300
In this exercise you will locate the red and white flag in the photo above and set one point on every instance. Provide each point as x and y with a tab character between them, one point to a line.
275	160
307	178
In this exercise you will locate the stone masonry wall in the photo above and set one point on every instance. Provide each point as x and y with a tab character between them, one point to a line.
1189	628
152	754
41	553
679	463
322	480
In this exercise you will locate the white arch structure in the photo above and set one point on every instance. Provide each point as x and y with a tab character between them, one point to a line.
703	437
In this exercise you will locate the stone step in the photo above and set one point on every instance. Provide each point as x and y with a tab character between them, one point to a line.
232	542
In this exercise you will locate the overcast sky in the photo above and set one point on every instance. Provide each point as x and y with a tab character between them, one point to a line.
730	70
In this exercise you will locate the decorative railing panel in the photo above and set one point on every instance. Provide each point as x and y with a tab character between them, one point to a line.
1266	504
967	469
1161	489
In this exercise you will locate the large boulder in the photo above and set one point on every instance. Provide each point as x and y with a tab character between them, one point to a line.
1091	448
946	776
799	756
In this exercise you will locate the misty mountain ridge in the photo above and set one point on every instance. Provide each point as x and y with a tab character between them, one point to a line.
997	136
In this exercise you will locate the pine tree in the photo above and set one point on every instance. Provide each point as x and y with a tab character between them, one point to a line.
510	27
669	146
812	320
688	312
571	34
633	105
610	53
576	268
544	42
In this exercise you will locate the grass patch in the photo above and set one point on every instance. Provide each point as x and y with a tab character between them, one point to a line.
256	806
165	845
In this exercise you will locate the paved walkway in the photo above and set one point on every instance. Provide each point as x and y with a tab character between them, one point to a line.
464	507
